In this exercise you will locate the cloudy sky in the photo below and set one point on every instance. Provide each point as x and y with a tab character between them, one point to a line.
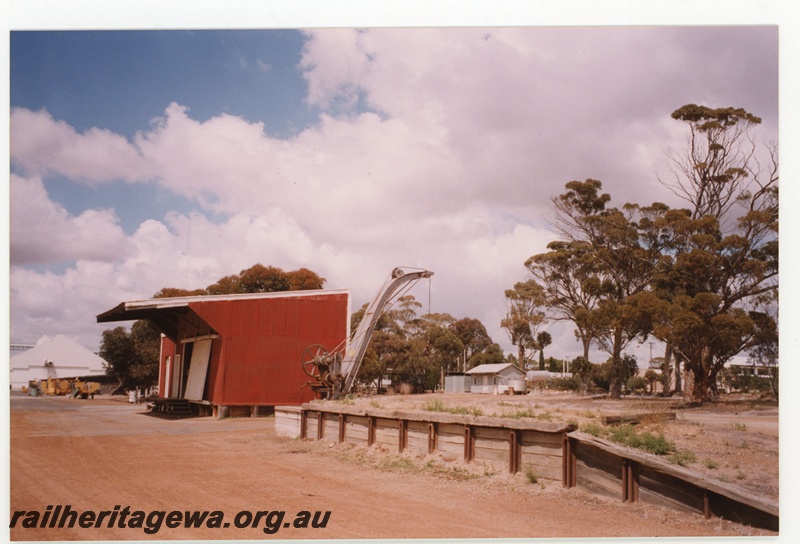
146	159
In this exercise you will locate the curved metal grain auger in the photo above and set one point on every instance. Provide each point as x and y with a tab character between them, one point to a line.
335	374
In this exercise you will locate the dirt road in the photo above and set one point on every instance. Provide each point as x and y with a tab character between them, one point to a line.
100	454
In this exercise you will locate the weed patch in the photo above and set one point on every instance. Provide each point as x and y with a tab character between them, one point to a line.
710	464
646	441
682	458
449	472
593	429
627	435
530	474
399	464
520	414
439	406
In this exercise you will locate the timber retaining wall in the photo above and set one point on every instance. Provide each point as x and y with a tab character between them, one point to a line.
555	451
605	468
505	443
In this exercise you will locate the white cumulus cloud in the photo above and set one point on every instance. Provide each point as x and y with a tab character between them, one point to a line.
41	145
44	232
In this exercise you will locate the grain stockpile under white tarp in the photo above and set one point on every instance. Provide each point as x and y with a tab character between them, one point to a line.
56	358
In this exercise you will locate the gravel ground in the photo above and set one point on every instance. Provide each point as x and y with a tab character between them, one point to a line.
96	454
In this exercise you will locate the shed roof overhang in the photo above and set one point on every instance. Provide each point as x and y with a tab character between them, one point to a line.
165	314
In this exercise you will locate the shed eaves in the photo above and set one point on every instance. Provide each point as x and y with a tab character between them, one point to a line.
137	309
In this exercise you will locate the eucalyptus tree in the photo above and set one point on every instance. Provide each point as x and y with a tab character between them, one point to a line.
266	279
564	272
132	356
764	353
717	167
473	336
492	355
541	341
443	348
607	256
722	259
386	349
430	347
410	348
525	313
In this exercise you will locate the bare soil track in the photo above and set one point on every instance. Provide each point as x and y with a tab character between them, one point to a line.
96	454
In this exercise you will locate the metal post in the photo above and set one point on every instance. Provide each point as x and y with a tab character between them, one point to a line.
402	431
432	438
469	443
624	480
573	482
370	430
513	452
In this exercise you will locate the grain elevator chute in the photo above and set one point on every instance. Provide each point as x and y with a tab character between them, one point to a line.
335	374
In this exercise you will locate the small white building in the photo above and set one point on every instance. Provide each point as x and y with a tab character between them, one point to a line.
496	378
57	358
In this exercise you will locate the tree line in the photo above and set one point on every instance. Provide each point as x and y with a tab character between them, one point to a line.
703	278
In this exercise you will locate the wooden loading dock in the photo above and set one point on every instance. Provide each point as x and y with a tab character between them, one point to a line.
556	452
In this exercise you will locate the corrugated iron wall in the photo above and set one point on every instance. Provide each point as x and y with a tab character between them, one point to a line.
262	343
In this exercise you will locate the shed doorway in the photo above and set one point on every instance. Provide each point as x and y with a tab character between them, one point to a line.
175	377
198	353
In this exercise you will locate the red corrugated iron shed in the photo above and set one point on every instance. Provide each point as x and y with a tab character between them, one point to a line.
240	350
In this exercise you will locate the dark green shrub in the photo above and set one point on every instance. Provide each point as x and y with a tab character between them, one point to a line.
636	384
566	384
655	444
